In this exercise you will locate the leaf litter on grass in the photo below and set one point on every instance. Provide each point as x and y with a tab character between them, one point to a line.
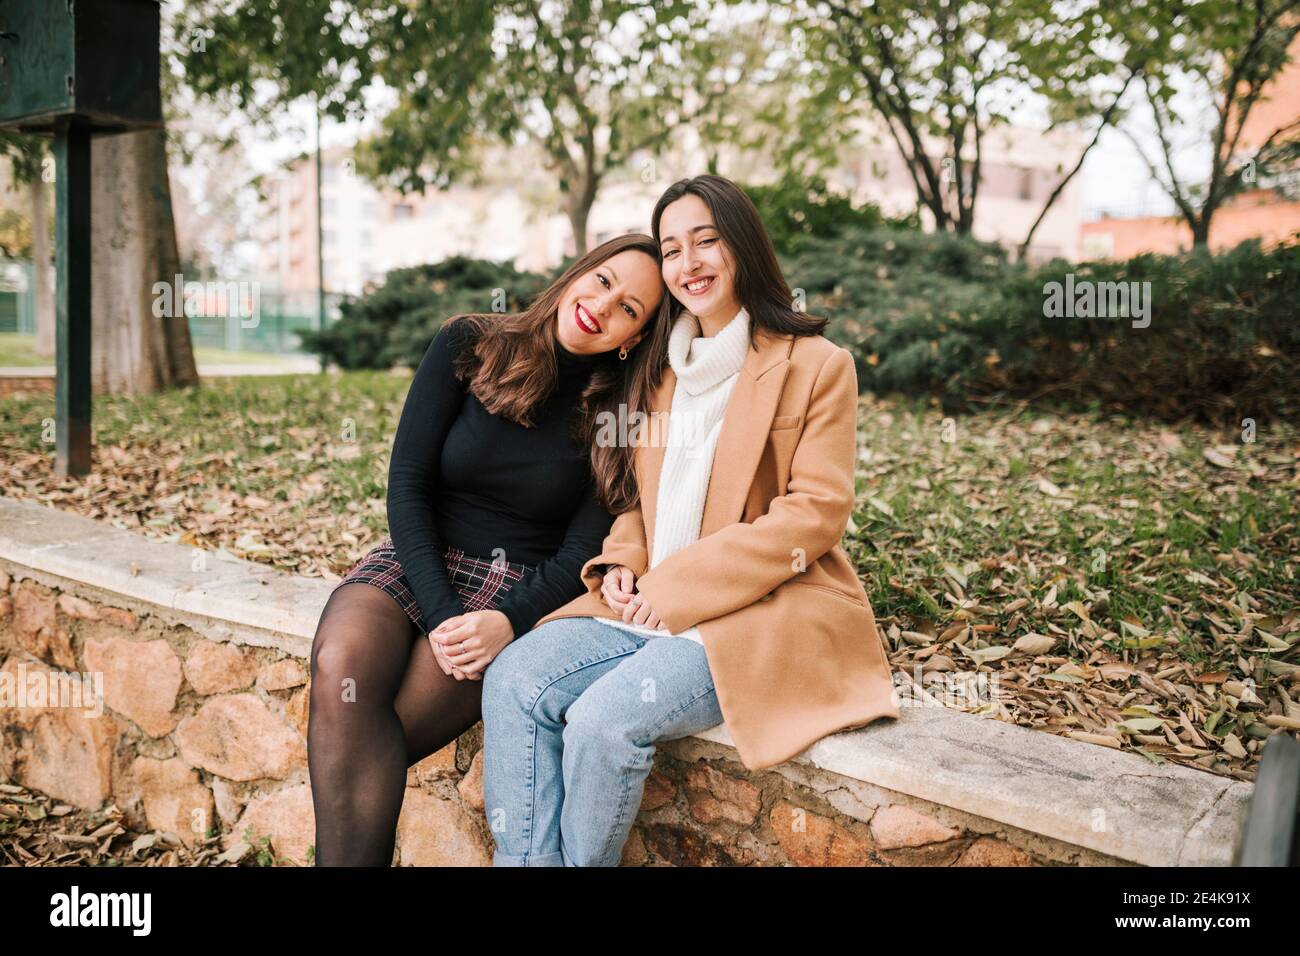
1128	583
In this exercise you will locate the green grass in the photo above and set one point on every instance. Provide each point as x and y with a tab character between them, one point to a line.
19	350
313	448
211	356
1139	514
1130	493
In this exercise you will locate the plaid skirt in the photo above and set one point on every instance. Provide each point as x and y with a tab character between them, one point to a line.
481	583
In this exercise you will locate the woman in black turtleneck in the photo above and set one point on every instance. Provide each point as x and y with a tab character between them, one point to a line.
498	492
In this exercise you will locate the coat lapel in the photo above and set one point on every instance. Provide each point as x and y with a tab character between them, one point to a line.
650	456
745	426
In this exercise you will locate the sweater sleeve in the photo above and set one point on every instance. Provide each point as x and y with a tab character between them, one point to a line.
558	580
432	404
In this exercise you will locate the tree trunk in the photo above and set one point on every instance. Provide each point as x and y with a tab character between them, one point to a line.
42	293
580	198
133	246
578	213
1201	229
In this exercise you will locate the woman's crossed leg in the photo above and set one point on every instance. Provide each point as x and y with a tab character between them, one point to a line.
379	704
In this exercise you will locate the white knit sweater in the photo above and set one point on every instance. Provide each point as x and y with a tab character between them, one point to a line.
707	369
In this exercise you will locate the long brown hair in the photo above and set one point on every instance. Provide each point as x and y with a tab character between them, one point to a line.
760	285
512	369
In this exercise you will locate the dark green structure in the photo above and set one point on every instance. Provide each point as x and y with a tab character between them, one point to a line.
75	69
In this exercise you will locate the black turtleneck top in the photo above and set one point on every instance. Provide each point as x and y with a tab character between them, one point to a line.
465	478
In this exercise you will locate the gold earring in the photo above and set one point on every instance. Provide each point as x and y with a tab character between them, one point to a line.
622	353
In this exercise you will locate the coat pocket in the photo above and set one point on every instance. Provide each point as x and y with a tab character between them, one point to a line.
785	421
852	599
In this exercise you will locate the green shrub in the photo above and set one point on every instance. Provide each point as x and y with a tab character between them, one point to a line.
890	292
950	317
1222	342
395	323
799	209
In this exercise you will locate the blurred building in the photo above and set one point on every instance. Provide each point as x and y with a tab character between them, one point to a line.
1020	166
512	215
1256	214
367	231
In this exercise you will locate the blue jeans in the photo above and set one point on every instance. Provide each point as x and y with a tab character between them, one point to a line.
571	714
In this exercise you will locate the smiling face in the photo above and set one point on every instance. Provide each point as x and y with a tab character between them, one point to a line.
698	268
608	306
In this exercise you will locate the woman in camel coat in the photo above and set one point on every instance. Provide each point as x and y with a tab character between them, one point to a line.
795	655
781	642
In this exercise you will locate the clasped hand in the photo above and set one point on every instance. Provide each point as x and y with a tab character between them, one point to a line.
464	645
618	590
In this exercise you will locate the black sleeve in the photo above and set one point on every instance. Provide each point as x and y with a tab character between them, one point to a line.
555	582
432	404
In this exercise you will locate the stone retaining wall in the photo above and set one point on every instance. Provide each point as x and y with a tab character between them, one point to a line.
204	731
203	668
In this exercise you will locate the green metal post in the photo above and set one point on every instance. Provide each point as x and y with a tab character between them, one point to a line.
72	394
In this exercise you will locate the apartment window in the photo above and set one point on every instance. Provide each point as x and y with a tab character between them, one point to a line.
403	210
367	238
329	173
1026	184
328	207
328	238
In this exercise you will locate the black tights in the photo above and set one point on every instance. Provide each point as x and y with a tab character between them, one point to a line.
379	704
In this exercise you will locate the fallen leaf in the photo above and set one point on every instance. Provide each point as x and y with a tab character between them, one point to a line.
1033	643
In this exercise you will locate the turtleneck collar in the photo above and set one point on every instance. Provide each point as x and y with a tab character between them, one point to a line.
701	363
573	367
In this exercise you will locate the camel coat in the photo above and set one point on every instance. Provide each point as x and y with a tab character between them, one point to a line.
795	654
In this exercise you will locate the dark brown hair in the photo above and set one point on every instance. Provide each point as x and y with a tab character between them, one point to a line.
512	369
760	286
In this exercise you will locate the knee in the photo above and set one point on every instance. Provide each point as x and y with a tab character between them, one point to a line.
338	666
331	657
505	680
596	723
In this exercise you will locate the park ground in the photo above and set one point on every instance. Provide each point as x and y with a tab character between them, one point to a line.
1129	583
